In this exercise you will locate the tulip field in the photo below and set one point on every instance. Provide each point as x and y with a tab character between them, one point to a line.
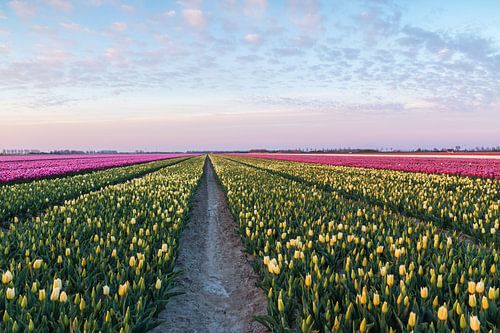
464	165
337	248
336	255
100	262
40	166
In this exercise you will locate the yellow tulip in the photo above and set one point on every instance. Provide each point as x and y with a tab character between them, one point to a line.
491	293
41	294
131	261
471	287
463	322
7	277
164	248
412	319
308	280
380	249
472	301
281	306
362	326
54	296
376	299
443	313
37	264
57	284
440	281
63	297
105	290
10	293
158	284
385	307
424	292
122	289
390	280
480	287
484	303
475	325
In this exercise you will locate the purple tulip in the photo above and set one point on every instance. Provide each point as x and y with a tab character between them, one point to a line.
39	166
471	165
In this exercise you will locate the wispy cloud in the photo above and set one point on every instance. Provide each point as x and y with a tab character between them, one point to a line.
119	26
252	38
195	18
63	5
22	8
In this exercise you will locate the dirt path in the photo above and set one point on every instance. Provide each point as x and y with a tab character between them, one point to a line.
219	284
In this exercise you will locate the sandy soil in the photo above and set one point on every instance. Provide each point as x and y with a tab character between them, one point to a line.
221	293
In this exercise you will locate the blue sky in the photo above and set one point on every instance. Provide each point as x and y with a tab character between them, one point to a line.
237	74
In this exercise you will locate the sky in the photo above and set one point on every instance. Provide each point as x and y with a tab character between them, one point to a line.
242	74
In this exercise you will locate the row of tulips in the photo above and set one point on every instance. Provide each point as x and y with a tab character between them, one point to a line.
480	165
334	264
471	205
101	262
35	167
29	198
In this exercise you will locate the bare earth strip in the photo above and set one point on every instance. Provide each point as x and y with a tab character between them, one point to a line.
221	293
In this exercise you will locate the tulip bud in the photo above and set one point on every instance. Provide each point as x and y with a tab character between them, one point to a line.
362	326
54	296
281	306
390	280
412	319
158	284
491	293
480	287
308	280
37	264
131	262
105	290
472	301
440	281
57	284
63	297
376	299
475	325
41	294
7	277
24	302
443	313
385	307
10	293
463	322
424	292
471	287
484	303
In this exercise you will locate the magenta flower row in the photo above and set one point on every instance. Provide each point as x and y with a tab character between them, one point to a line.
475	167
40	166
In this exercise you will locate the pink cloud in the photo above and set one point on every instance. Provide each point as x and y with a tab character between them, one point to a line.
255	7
63	5
22	9
119	26
252	38
194	18
74	27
